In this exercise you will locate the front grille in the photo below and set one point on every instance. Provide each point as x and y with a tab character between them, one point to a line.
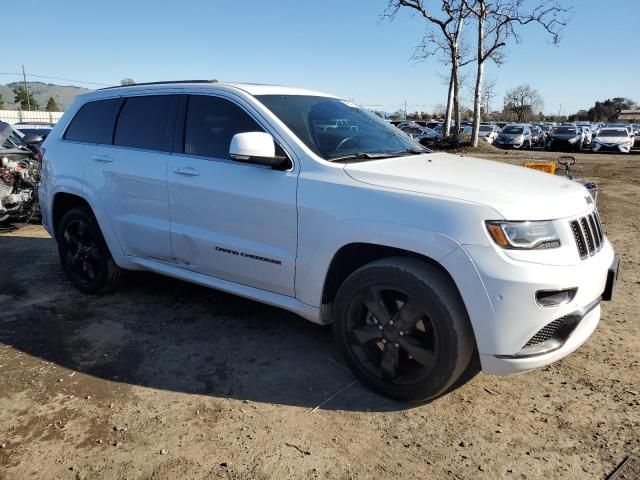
588	234
546	332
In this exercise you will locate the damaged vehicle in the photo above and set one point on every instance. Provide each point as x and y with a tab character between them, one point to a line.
19	177
422	261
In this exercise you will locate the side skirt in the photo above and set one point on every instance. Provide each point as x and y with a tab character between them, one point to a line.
291	304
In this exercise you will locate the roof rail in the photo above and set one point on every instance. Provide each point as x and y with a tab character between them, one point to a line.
166	82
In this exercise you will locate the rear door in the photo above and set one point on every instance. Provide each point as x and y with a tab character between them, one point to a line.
230	220
130	176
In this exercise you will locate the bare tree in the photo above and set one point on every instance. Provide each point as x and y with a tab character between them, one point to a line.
488	94
445	38
498	21
523	101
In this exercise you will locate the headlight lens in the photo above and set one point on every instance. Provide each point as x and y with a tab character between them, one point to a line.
524	235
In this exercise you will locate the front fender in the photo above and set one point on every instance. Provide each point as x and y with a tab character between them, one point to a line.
316	251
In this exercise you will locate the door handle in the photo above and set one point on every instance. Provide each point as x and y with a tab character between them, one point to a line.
102	158
188	171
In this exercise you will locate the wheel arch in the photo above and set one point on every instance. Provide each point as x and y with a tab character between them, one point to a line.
62	203
353	256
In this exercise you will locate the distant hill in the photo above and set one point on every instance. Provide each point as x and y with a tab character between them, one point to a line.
62	94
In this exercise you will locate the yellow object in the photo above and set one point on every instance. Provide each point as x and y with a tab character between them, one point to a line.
548	167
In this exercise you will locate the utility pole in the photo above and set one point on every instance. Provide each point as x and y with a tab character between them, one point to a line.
405	109
26	90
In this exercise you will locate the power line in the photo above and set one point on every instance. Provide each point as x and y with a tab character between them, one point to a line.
57	78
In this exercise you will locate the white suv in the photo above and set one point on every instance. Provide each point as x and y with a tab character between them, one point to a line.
419	259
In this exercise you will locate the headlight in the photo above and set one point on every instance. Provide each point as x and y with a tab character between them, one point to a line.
524	235
573	140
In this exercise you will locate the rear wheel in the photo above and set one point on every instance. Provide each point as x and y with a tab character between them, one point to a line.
84	254
402	327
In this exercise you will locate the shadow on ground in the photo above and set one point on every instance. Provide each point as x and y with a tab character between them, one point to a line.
166	334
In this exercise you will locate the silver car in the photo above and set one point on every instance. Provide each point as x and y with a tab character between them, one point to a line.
515	135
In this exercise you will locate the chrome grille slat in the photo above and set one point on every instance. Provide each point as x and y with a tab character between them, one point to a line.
594	230
588	234
599	225
579	237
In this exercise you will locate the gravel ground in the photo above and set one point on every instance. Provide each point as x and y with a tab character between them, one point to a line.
168	380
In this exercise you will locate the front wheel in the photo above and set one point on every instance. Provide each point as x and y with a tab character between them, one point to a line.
403	329
84	254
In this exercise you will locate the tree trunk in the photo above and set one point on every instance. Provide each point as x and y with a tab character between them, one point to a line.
477	100
447	116
456	97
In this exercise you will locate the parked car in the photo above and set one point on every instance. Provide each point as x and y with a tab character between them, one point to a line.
414	131
19	177
586	136
514	136
565	137
488	133
419	259
612	140
408	124
537	137
465	130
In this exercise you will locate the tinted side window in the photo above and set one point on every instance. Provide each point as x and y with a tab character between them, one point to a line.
146	122
211	123
94	122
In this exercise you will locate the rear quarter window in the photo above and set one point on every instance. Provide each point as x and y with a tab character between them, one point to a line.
94	122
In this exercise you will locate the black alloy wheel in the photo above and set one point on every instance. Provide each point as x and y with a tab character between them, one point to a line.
402	328
84	254
392	335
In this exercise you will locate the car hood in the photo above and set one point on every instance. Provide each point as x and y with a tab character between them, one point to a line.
515	192
564	136
615	140
511	135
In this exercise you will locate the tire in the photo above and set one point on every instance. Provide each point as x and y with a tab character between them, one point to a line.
84	254
418	342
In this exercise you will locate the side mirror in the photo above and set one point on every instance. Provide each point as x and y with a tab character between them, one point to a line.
32	139
255	147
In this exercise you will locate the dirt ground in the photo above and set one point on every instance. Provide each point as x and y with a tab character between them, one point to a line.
167	380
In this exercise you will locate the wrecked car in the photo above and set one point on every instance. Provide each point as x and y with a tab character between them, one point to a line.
19	177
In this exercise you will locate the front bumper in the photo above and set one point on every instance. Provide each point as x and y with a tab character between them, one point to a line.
510	364
508	144
499	293
611	147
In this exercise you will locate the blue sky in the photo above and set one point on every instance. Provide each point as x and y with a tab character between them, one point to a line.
339	46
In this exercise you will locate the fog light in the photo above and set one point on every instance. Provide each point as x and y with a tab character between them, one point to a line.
554	298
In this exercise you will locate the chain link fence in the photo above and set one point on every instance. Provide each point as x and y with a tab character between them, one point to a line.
17	116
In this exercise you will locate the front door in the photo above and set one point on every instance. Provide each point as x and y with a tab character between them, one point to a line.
230	220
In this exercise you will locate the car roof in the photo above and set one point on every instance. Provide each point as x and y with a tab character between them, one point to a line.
250	88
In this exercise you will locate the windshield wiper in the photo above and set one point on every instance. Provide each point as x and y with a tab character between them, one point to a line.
362	156
415	151
375	156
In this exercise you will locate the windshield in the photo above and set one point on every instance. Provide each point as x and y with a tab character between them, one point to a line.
617	132
571	130
486	128
511	129
335	128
